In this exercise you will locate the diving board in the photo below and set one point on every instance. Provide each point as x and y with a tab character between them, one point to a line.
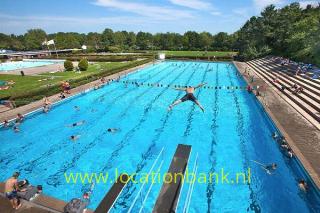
169	194
108	201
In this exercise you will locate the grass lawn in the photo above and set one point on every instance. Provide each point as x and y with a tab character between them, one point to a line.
32	83
197	53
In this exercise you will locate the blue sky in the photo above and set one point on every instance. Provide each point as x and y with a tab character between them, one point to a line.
17	16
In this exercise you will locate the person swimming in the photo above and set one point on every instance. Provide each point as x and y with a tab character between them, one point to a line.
268	168
189	96
74	137
303	185
76	108
77	124
113	130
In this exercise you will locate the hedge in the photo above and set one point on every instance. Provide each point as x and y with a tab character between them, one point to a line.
37	94
83	64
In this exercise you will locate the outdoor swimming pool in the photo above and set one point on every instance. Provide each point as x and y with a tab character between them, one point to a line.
8	66
233	132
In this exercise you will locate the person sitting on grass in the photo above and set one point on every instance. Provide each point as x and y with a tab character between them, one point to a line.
11	187
189	96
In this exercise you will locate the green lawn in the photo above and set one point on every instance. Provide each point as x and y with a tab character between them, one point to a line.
33	83
198	53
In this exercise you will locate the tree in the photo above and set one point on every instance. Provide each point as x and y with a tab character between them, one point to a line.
144	41
33	39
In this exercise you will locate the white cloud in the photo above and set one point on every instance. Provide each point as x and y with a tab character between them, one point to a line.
20	24
156	12
261	4
193	4
216	13
243	12
304	4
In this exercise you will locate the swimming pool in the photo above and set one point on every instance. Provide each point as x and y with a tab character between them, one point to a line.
233	132
8	66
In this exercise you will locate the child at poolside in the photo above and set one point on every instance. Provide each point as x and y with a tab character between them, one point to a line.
19	118
6	123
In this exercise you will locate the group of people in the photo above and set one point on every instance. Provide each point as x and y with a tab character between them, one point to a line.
15	189
283	144
300	67
296	89
15	124
285	147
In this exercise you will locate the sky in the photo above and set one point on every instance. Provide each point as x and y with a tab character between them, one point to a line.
83	16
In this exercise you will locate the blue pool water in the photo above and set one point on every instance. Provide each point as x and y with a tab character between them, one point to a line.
7	66
233	132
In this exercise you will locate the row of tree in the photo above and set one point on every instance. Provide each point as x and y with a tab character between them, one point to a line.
290	31
109	40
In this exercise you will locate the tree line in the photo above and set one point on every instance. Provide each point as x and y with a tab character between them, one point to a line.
289	31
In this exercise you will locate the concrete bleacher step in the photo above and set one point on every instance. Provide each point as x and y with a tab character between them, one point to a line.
298	103
307	96
290	71
315	90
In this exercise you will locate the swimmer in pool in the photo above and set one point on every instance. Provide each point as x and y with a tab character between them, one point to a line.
270	168
188	96
112	130
74	137
77	124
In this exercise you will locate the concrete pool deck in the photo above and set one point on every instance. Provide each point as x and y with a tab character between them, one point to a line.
301	135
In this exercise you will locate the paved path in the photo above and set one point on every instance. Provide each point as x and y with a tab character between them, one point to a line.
301	135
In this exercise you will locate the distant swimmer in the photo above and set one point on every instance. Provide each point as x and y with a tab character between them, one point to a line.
270	169
77	124
113	130
303	185
76	108
74	137
188	97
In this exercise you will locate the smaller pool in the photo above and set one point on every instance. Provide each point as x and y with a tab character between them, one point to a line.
26	63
